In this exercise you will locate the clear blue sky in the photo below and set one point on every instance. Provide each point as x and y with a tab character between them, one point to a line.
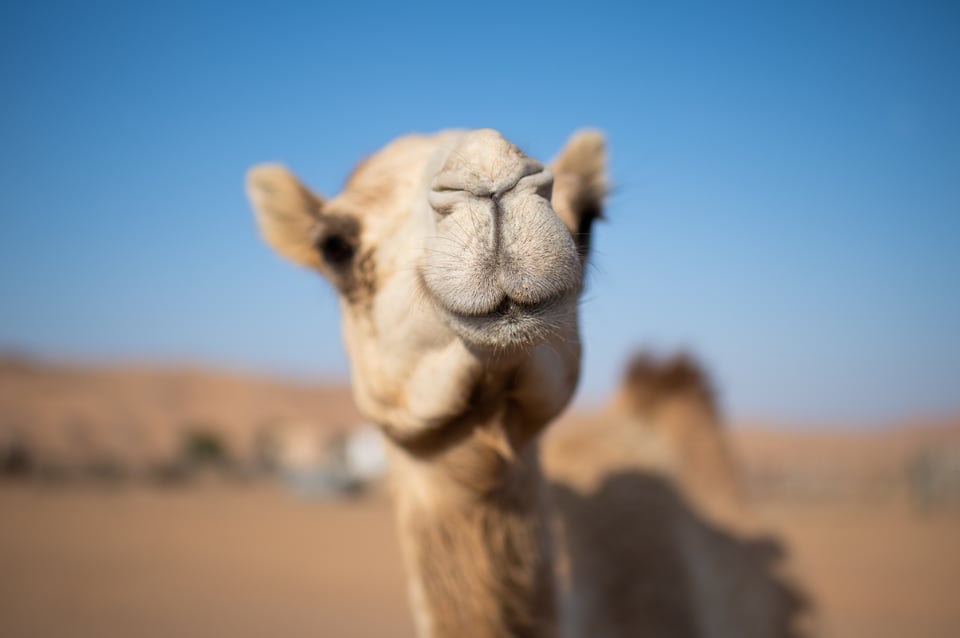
787	175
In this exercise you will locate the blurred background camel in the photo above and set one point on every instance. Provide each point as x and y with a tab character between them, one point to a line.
658	531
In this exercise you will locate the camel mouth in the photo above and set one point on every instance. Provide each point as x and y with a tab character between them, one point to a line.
512	323
508	309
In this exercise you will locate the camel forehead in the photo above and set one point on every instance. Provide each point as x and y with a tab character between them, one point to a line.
390	177
383	190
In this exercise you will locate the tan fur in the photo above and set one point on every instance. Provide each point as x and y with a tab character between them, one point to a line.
459	261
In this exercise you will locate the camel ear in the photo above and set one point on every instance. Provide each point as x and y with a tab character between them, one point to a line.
287	212
580	185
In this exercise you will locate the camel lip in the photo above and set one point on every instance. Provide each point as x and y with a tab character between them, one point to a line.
510	308
512	323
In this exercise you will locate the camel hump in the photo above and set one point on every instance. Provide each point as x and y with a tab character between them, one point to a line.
650	381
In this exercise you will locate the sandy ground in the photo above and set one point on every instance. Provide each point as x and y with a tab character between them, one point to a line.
208	561
211	558
876	571
220	560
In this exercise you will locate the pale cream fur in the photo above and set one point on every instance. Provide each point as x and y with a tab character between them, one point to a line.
459	262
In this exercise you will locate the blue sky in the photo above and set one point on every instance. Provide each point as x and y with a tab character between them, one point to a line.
787	179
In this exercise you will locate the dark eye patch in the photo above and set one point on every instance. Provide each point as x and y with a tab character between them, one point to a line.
347	264
337	240
336	250
584	228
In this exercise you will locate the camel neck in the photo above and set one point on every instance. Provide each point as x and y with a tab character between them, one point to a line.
476	538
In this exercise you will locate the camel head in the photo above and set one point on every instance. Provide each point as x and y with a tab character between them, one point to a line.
458	262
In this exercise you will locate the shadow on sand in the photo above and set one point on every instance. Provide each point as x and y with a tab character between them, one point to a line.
657	565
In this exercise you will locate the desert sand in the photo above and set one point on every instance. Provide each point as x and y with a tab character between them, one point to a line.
221	560
89	554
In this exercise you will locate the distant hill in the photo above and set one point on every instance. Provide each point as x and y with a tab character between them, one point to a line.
858	464
67	412
72	414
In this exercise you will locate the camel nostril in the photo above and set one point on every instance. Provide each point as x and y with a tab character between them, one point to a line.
443	200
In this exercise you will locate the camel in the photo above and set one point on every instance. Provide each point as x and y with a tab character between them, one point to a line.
458	262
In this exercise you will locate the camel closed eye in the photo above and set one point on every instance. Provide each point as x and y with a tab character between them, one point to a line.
336	250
